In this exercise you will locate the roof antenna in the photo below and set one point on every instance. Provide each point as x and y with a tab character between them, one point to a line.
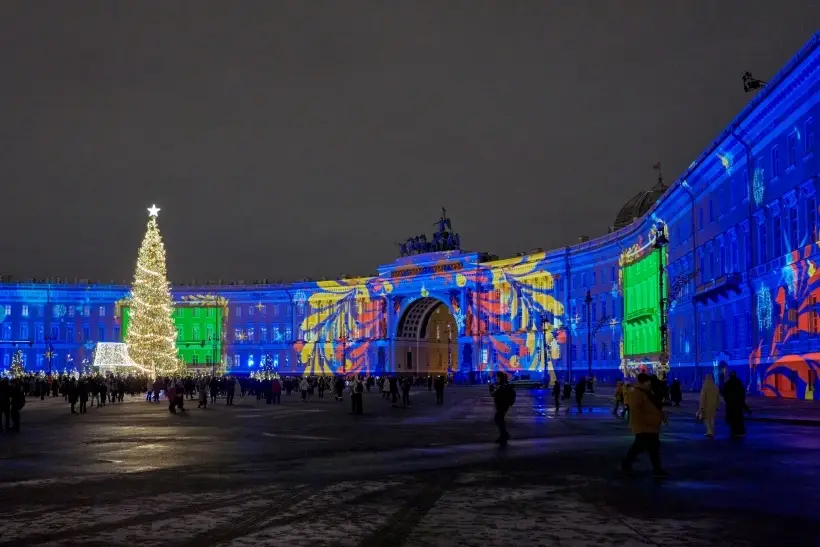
657	167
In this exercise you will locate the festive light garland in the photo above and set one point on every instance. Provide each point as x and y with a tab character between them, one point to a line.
151	337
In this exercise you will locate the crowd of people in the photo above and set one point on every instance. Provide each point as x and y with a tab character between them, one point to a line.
101	389
641	403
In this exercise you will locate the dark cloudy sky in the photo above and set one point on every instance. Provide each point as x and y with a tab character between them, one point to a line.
289	139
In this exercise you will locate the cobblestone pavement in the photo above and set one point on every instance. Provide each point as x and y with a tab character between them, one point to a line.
312	474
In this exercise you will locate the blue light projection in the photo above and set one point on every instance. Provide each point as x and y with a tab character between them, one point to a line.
758	186
511	315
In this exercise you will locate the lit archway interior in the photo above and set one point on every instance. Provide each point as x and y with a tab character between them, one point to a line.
426	339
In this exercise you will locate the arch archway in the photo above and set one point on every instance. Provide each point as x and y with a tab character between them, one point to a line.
426	339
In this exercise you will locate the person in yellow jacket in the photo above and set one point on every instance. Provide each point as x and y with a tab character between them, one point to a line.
645	417
709	403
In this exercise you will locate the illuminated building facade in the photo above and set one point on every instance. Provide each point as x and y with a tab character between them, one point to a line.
741	285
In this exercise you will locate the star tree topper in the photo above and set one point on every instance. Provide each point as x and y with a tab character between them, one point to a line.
153	211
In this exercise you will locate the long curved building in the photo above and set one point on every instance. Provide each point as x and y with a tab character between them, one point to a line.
714	272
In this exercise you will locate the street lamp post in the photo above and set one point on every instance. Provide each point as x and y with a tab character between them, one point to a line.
343	339
663	358
588	301
49	351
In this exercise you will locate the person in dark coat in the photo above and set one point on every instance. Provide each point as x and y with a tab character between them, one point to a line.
734	395
504	398
675	393
71	392
82	390
17	400
5	410
438	384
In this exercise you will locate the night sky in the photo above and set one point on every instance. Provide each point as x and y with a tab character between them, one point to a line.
286	140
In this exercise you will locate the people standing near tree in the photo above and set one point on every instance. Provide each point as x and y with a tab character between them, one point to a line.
734	395
709	403
645	417
504	398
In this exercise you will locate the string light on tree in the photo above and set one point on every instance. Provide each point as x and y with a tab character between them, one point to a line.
17	364
151	337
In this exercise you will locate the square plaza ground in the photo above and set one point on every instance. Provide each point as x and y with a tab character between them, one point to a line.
312	474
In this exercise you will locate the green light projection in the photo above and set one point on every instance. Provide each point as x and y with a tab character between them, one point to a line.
199	333
642	316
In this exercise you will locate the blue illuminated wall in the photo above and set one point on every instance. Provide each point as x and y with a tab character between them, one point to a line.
743	277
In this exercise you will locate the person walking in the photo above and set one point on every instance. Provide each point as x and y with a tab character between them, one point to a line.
556	395
504	398
645	417
439	387
303	387
734	395
709	403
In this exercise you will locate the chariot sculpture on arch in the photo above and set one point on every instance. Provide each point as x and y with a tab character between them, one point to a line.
443	240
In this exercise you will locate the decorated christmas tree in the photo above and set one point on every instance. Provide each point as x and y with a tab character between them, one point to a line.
151	336
17	364
267	367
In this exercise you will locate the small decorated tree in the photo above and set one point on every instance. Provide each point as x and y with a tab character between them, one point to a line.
267	366
17	364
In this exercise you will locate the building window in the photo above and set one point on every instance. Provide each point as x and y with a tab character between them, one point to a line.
250	334
263	334
791	149
721	260
775	161
811	220
793	228
573	352
735	262
711	211
24	311
238	311
39	334
195	334
250	311
209	312
238	335
7	310
23	332
69	334
116	334
101	311
86	311
86	333
761	243
195	359
594	275
197	312
71	311
808	136
745	183
101	334
777	246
